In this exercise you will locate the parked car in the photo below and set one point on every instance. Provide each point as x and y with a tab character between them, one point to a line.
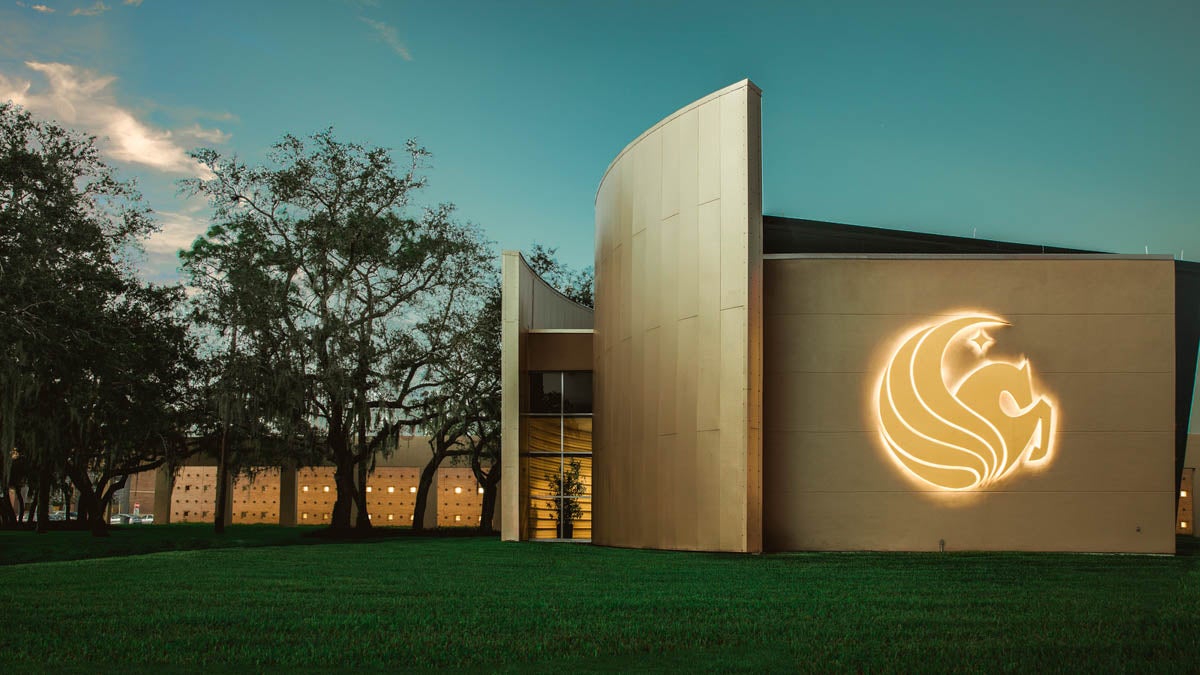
119	519
148	519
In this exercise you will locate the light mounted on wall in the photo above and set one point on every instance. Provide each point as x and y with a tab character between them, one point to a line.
970	434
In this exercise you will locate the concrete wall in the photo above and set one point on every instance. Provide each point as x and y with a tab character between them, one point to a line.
542	330
678	332
1098	334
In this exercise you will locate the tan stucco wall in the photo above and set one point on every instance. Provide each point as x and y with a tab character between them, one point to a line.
678	324
1099	335
275	495
530	304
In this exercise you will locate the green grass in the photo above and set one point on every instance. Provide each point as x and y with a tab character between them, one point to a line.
481	604
25	547
62	544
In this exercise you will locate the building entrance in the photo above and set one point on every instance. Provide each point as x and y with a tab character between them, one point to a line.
556	456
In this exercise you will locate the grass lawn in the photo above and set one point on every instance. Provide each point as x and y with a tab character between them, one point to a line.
24	547
478	603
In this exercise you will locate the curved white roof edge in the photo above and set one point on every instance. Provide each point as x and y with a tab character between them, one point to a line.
547	284
746	83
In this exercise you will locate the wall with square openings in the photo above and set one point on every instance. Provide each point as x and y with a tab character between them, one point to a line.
309	493
193	497
460	499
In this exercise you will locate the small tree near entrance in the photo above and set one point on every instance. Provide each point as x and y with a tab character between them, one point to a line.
569	487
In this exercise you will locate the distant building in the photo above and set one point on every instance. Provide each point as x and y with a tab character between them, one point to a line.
305	495
752	383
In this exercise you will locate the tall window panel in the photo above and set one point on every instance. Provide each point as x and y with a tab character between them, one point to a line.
556	455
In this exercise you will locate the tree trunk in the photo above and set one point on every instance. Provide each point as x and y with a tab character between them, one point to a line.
8	517
95	520
219	515
86	506
423	491
488	509
20	511
363	520
343	471
92	515
43	502
343	479
91	506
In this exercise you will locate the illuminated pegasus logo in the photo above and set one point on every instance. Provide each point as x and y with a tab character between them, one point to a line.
969	435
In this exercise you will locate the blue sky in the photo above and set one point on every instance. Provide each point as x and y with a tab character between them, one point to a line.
1071	124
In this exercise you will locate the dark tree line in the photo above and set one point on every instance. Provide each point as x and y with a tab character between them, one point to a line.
94	363
327	312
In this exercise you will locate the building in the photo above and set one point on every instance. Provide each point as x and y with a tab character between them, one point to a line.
305	495
762	383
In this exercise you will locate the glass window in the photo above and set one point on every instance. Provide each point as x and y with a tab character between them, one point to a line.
545	392
559	497
541	434
577	434
556	462
577	392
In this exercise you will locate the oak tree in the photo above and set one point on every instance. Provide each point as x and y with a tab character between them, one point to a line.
363	285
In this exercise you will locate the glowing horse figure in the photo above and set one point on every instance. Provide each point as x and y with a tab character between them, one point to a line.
968	436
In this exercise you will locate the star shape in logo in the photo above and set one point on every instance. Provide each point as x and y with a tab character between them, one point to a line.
981	341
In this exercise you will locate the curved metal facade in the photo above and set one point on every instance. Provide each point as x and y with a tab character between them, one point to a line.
678	326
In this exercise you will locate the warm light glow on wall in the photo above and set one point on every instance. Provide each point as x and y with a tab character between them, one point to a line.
970	434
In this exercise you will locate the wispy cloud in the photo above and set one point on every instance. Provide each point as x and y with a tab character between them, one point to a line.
37	8
81	99
92	10
135	3
388	35
42	8
207	135
178	231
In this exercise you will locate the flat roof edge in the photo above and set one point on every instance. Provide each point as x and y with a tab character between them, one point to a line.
967	256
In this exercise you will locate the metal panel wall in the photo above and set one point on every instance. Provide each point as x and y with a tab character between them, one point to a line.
678	332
